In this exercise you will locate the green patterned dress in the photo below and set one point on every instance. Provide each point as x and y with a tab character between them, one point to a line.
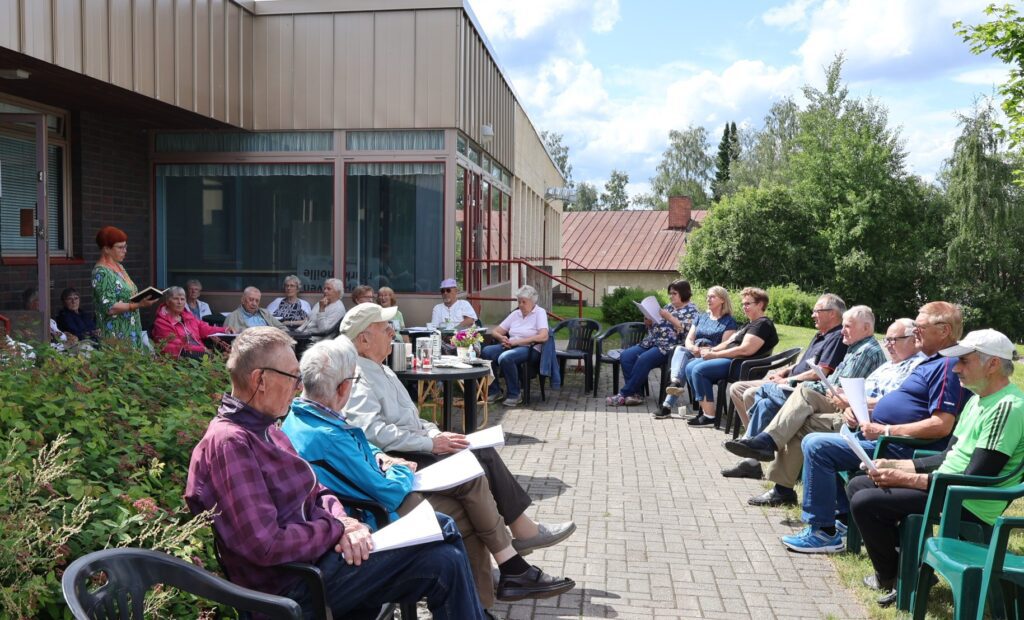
109	288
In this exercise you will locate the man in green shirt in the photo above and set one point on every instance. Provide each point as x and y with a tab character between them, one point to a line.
987	441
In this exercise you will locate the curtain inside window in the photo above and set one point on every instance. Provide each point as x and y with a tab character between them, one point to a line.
244	170
226	142
394	140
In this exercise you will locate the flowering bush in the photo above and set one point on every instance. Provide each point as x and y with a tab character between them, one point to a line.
465	338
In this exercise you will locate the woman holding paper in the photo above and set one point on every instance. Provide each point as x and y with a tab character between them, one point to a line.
112	289
674	320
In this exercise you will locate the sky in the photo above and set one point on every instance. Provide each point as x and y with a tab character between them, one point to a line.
614	77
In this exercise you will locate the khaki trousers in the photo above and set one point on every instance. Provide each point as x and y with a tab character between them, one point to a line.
472	506
805	412
742	395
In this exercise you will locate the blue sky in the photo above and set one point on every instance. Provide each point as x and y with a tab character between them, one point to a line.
614	77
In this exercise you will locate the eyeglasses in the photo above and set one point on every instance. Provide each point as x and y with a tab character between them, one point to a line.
447	290
72	298
893	340
355	379
297	378
820	310
747	303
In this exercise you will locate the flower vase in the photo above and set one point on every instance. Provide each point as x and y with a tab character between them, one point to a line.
463	352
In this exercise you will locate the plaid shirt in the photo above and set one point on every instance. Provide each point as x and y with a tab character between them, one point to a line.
270	507
861	358
889	376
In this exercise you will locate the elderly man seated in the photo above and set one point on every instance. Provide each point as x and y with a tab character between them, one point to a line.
988	441
757	402
329	310
347	464
381	406
269	508
925	406
452	312
249	314
800	413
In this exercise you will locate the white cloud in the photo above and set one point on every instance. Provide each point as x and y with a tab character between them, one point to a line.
791	14
984	77
520	20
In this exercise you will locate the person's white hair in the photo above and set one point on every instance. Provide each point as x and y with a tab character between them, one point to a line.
294	279
325	365
338	284
251	289
862	314
906	324
171	292
254	348
528	292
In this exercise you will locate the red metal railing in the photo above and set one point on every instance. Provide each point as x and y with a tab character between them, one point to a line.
521	264
592	287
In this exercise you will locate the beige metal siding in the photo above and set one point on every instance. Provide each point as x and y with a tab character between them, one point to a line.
484	96
121	50
314	71
201	57
144	44
67	34
435	89
394	50
164	51
10	24
38	29
353	71
95	44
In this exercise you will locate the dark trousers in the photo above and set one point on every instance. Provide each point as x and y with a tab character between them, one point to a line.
509	496
878	513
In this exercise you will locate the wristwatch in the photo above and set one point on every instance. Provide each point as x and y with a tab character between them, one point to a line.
888	428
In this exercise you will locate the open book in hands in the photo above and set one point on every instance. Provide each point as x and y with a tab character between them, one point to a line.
149	292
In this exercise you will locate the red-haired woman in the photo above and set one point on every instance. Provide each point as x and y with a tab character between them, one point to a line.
116	316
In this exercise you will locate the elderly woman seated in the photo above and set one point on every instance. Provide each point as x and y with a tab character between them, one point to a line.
179	333
519	337
639	360
290	309
71	319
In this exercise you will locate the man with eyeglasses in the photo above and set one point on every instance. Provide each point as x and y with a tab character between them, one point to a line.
269	509
925	406
347	464
452	312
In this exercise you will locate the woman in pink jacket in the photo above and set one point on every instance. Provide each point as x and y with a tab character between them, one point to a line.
178	332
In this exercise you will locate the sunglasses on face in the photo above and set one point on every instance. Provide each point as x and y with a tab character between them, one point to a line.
447	290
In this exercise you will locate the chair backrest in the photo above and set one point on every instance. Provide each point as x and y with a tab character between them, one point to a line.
629	334
758	367
130	573
581	333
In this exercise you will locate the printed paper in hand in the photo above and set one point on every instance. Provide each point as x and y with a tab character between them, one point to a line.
418	527
851	440
821	377
487	438
650	308
447	473
857	395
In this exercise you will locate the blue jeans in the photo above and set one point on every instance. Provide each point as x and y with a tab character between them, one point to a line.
680	358
505	363
702	375
438	571
637	363
768	400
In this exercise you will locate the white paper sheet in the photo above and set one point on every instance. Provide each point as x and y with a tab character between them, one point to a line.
650	308
856	393
488	438
418	527
447	473
851	440
824	379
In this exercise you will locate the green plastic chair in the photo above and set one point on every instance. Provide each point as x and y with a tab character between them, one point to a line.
972	569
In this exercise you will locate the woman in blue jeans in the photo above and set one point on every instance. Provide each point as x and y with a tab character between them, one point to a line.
710	329
755	338
638	360
519	338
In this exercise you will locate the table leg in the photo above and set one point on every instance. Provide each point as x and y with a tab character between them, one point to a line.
446	411
469	397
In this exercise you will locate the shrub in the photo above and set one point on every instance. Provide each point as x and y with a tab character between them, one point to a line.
788	305
617	307
130	422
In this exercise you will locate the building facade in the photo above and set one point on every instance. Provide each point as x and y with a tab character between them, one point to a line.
238	142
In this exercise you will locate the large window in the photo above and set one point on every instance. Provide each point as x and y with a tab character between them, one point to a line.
238	225
18	183
394	226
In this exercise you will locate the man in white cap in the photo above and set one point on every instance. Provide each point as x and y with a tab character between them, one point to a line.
452	312
988	441
381	406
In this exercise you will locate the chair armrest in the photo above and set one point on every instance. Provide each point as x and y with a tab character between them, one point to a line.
314	580
997	546
920	454
884	441
955	496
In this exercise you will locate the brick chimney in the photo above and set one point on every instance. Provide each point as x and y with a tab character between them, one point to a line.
679	209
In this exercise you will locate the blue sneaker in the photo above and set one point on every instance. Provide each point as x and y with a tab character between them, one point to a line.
812	539
841	528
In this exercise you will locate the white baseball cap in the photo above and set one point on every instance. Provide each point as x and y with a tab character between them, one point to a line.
362	316
987	341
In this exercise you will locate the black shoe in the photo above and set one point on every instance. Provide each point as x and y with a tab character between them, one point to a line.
887	599
702	420
747	468
663	414
772	497
742	448
534	583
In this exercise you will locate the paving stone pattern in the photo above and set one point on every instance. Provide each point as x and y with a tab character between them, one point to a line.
661	533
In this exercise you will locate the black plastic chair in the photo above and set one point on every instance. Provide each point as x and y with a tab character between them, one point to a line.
528	370
580	347
629	334
130	573
722	387
751	369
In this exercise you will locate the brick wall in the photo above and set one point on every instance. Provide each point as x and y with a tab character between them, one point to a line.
110	184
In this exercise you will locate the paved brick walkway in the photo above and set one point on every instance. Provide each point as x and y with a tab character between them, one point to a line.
661	533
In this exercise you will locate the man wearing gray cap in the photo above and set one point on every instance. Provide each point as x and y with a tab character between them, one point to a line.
987	441
452	312
381	406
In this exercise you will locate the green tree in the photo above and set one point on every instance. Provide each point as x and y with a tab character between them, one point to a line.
586	198
734	143
766	157
559	153
986	253
722	161
1004	36
615	197
685	169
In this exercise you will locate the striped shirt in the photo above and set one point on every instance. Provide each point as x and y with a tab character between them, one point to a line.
861	359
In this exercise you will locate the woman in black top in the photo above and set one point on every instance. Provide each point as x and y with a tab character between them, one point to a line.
756	338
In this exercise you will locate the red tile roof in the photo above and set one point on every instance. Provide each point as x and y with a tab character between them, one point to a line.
624	240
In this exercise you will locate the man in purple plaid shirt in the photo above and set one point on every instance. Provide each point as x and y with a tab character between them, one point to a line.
271	510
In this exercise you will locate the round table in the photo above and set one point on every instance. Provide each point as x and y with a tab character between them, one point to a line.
448	376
